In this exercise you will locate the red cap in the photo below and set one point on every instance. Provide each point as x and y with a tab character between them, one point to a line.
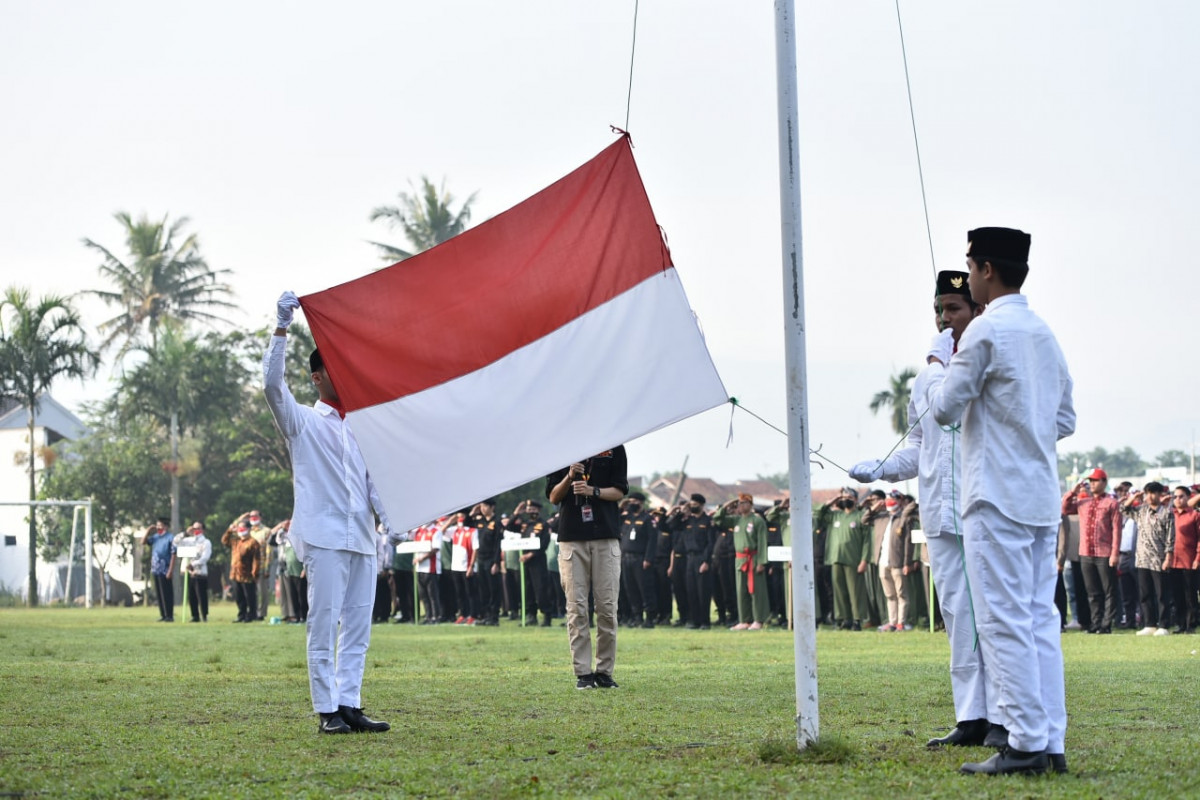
1098	475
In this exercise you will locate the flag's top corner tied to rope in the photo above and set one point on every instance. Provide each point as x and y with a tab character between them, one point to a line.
552	332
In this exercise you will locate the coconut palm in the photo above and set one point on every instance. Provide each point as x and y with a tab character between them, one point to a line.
162	279
425	217
39	341
896	398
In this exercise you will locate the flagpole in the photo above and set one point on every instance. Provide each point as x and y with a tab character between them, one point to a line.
804	622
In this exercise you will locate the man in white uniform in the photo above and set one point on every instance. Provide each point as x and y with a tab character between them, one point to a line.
333	533
933	455
1009	385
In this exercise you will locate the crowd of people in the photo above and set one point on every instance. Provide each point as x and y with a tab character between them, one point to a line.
263	565
678	566
1127	560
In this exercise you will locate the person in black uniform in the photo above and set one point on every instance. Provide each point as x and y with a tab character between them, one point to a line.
639	541
662	572
776	572
694	527
589	557
487	561
677	570
527	519
724	587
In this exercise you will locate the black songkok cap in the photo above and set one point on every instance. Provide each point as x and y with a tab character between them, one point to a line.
952	282
315	362
698	498
1008	244
636	495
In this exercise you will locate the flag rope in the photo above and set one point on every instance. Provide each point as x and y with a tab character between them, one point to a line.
733	401
632	52
916	141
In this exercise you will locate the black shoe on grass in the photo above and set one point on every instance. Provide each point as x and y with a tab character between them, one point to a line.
603	681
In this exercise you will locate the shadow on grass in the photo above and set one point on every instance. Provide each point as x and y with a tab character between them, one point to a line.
826	750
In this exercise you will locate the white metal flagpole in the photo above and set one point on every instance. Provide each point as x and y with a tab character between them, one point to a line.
804	617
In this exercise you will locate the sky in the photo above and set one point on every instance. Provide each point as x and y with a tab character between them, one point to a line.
276	128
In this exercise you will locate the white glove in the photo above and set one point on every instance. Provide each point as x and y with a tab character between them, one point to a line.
288	303
942	346
867	471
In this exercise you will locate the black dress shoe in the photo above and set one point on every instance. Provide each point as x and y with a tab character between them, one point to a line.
333	723
997	737
968	733
1058	762
1009	762
359	722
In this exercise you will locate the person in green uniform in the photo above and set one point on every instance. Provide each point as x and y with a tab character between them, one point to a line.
847	551
750	546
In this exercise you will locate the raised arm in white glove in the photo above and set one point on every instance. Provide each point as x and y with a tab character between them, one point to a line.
286	308
941	348
867	471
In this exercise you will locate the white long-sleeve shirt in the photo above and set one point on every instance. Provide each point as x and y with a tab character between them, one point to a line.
333	492
932	457
199	564
1009	385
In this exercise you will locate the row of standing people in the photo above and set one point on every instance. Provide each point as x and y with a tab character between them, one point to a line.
678	565
1129	558
262	564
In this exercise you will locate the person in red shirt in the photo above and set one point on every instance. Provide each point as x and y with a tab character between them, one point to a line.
1184	563
1100	526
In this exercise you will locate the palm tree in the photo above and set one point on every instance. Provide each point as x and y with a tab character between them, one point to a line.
896	397
425	217
160	281
39	342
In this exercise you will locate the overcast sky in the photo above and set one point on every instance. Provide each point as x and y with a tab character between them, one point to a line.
277	127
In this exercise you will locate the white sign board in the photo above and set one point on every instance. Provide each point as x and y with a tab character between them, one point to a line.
918	536
415	547
779	553
527	543
187	550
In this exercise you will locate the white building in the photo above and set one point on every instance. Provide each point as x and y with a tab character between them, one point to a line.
52	423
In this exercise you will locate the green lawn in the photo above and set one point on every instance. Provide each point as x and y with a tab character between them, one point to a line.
107	703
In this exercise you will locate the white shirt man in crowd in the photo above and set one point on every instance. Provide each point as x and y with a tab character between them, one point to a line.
1009	385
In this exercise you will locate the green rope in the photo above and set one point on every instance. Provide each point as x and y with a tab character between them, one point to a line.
962	550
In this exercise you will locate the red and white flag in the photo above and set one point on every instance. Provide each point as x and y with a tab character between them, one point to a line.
549	333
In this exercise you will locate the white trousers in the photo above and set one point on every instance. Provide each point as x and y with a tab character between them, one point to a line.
968	675
1012	569
341	594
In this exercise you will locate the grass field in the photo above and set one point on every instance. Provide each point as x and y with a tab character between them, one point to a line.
107	703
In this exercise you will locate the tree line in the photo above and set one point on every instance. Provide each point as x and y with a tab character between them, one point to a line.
185	429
